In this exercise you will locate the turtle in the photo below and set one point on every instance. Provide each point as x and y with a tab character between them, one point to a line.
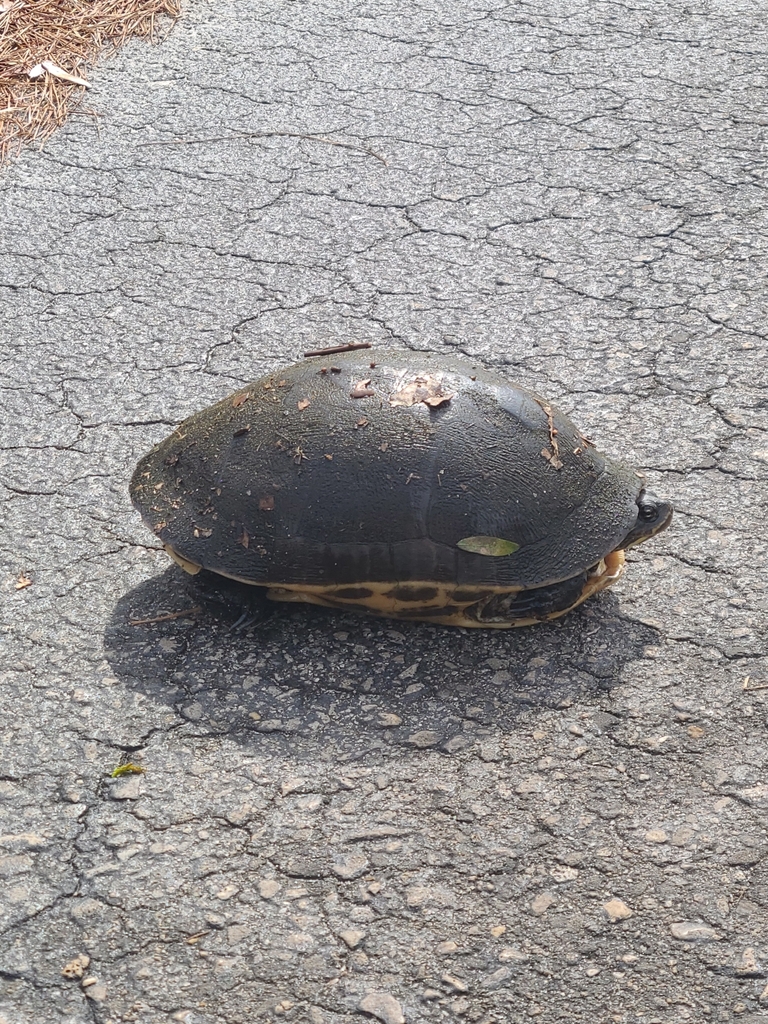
409	485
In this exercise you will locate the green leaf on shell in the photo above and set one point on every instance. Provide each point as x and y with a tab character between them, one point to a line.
488	546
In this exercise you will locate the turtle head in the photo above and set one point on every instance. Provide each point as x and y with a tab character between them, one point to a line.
653	516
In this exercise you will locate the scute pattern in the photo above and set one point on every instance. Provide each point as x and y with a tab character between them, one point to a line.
294	480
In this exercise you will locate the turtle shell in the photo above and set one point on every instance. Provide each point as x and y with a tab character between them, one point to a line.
389	467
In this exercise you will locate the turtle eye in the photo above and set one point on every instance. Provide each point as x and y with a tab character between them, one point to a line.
647	512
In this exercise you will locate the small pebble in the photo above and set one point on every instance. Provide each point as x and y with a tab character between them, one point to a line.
424	738
237	932
22	841
227	892
76	968
301	942
97	992
350	865
389	720
490	751
682	836
563	873
383	1006
693	931
511	955
291	785
617	910
745	857
656	835
748	966
533	784
454	984
126	788
541	903
362	915
496	979
310	802
456	743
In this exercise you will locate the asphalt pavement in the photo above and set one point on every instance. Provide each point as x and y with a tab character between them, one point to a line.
344	818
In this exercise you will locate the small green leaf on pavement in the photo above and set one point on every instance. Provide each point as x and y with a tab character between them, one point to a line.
127	769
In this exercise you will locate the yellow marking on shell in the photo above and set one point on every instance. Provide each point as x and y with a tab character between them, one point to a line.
605	574
383	598
460	599
191	567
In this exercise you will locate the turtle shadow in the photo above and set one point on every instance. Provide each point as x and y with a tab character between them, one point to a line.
302	677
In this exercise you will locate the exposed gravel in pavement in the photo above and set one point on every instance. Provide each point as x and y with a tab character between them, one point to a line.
345	818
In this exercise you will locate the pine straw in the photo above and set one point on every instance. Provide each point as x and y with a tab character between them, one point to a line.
71	34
